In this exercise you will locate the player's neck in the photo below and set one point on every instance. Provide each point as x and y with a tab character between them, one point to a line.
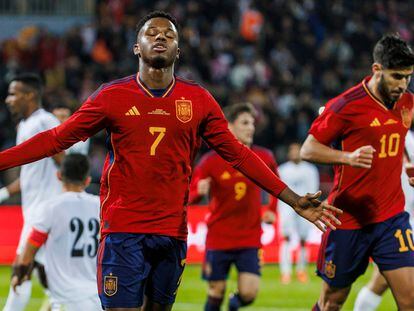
73	188
155	78
31	109
373	88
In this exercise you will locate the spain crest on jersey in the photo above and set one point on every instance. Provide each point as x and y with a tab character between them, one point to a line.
406	117
110	285
184	110
330	269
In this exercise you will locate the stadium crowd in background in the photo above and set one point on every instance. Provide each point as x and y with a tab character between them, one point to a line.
285	57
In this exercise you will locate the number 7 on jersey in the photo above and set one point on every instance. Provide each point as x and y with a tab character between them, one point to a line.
161	133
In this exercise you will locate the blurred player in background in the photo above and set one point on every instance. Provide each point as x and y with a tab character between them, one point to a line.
38	180
155	122
63	112
362	132
234	222
369	297
301	176
68	226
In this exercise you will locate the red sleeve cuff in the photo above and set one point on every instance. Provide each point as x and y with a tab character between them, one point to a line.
37	238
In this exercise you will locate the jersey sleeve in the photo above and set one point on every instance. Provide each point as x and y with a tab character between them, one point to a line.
201	171
43	217
87	121
214	130
273	202
50	121
330	124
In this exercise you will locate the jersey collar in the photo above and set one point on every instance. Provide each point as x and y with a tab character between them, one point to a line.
148	92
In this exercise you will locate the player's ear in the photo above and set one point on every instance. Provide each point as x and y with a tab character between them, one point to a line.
59	175
376	68
88	181
136	50
178	53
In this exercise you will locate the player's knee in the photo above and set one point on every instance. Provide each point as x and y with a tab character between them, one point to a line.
331	305
247	297
216	289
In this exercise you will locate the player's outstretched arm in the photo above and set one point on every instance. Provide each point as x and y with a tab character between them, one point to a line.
85	122
309	207
314	151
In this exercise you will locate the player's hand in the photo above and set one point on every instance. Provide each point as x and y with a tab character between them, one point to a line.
411	181
317	212
20	275
269	217
361	157
203	186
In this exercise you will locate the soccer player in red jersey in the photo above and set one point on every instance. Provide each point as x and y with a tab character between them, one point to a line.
155	122
362	133
234	223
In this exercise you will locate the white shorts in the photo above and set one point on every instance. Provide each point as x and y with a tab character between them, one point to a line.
89	304
291	224
40	255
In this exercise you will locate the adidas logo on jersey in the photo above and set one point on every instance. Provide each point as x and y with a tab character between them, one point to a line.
390	121
133	112
376	122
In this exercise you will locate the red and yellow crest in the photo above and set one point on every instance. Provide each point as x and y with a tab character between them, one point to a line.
406	116
330	269
184	110
110	285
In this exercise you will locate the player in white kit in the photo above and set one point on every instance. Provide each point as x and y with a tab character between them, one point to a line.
302	177
37	181
68	227
370	296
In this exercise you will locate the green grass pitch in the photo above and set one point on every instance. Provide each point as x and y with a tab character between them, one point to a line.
272	295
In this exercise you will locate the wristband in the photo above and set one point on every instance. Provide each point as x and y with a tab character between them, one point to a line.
4	194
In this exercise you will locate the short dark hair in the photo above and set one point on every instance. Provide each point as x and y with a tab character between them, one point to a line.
233	111
392	52
30	80
74	168
155	14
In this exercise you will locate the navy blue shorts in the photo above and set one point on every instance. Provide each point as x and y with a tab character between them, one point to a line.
344	254
217	263
131	265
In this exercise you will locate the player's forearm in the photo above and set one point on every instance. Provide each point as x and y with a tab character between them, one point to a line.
14	187
28	255
314	151
255	169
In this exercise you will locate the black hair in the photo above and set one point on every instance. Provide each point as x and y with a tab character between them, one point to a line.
75	168
60	105
233	111
155	14
392	52
31	81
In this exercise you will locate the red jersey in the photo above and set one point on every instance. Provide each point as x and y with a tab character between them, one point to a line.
152	142
354	119
235	214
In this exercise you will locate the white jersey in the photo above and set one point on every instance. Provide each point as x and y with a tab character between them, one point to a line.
72	223
301	178
38	180
408	190
81	147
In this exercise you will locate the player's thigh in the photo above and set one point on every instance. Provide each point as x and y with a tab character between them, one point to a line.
343	256
169	258
286	220
90	304
248	285
303	227
401	282
377	284
122	270
216	265
153	306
